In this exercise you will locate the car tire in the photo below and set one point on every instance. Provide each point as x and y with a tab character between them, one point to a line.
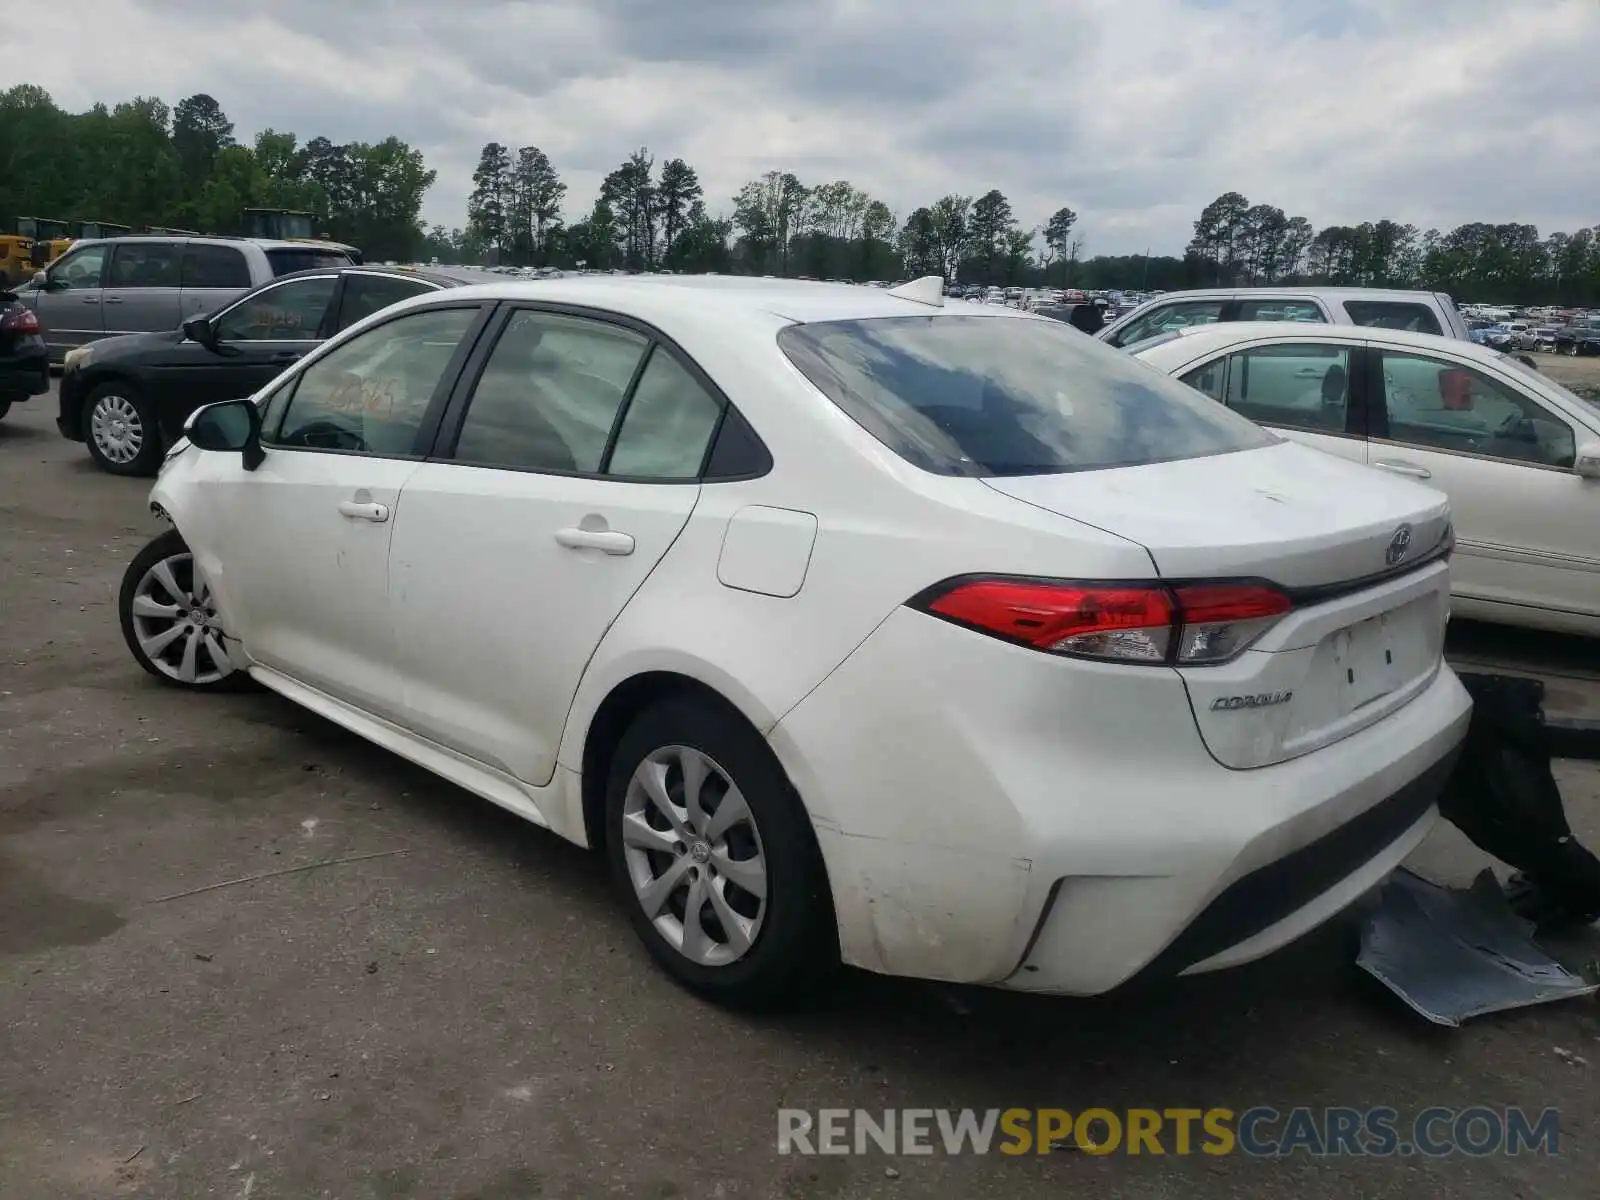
120	430
170	624
745	950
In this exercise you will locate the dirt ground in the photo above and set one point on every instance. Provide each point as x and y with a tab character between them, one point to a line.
1582	375
463	1013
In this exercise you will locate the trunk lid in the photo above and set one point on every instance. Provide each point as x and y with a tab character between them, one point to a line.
1287	513
1366	635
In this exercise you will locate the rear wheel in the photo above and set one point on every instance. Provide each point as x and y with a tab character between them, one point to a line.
121	431
715	858
169	618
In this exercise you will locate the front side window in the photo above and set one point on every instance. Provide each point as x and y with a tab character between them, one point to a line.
970	395
371	394
144	265
367	294
1281	310
1304	385
549	394
208	265
1440	405
1168	318
289	312
1392	314
80	269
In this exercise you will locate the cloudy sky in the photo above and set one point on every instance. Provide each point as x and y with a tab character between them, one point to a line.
1134	112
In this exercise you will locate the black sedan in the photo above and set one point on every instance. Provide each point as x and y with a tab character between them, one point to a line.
1578	339
24	358
128	397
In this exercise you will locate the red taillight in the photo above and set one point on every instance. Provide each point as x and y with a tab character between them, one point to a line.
1192	625
22	321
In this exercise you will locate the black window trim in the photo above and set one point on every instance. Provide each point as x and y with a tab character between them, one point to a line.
433	415
1380	433
467	382
216	317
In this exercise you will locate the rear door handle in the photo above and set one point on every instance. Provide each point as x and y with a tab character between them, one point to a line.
1397	467
110	300
96	300
608	540
286	356
358	511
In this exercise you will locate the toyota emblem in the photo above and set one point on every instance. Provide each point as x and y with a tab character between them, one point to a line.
1399	546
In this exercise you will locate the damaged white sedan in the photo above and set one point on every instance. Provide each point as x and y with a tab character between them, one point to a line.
941	640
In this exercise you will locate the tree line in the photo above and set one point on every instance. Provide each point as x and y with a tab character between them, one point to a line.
1236	242
143	163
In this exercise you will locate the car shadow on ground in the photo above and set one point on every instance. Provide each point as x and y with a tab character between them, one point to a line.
1309	993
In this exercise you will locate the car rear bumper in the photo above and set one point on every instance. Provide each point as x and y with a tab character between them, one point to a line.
24	375
989	814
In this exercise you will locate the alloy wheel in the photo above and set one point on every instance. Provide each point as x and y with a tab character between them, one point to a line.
176	624
117	428
694	856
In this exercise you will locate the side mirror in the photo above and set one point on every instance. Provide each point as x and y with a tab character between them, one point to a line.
1587	464
200	329
228	425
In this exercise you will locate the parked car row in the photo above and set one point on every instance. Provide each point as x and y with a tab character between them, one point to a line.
799	603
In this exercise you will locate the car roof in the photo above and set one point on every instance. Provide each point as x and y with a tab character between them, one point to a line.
1275	291
264	243
783	301
1198	340
449	277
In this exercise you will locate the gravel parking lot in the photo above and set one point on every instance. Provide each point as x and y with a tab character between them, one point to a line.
463	1012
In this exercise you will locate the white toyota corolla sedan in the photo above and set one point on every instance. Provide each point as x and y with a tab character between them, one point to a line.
941	639
1517	453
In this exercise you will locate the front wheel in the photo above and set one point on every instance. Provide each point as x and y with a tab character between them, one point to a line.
169	618
121	430
715	857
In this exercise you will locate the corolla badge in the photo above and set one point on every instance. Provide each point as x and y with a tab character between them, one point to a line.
1261	700
1399	545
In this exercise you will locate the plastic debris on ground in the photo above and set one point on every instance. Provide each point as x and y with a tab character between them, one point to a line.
1452	955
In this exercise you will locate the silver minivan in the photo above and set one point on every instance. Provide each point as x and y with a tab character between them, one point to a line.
121	285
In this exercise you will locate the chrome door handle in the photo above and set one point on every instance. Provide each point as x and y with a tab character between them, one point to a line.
1396	467
91	300
608	540
356	510
110	300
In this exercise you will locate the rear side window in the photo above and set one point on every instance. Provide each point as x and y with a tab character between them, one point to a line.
668	424
1392	314
211	266
549	394
1267	309
286	262
367	294
972	395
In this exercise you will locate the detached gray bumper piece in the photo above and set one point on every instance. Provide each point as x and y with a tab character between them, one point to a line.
1453	955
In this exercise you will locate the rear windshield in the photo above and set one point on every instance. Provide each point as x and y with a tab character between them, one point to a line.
286	262
975	395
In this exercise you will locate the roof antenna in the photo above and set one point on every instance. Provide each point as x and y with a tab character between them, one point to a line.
927	290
